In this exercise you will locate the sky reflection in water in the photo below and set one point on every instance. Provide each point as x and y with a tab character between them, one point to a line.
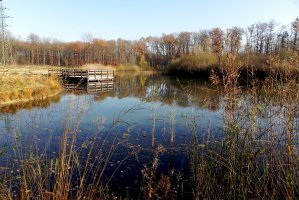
147	111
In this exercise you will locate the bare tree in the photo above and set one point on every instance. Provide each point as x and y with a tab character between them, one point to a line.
295	26
249	38
261	38
34	40
205	40
233	39
217	36
269	37
184	43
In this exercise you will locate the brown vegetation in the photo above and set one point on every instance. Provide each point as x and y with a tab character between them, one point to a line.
258	155
260	39
199	64
255	158
17	88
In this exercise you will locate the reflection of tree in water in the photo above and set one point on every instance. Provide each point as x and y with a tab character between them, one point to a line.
132	86
193	93
103	95
149	88
206	97
14	108
160	90
157	88
126	86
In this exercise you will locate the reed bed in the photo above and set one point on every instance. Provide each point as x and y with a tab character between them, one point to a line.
257	156
204	65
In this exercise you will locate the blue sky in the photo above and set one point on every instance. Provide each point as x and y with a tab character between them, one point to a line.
69	20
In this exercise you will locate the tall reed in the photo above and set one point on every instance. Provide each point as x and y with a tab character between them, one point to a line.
257	155
77	172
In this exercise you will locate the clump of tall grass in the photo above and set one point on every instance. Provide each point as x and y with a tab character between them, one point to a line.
200	63
205	64
283	65
15	88
156	185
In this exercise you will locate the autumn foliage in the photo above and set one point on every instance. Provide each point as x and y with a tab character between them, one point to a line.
257	40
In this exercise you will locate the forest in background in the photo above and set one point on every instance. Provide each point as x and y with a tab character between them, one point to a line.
186	49
251	154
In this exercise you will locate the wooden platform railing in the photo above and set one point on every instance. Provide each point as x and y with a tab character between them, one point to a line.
74	73
55	72
100	75
90	75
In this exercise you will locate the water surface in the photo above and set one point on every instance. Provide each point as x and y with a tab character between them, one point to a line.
140	112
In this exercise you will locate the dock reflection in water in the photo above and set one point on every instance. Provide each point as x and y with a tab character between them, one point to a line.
90	87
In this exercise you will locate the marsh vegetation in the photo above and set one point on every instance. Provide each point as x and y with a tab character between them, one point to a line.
157	137
227	130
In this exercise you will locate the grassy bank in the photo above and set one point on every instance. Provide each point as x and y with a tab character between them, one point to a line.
43	69
22	83
110	67
22	88
203	65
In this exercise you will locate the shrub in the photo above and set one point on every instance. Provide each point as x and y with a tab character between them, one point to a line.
193	63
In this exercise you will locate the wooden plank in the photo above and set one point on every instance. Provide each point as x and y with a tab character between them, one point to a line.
90	75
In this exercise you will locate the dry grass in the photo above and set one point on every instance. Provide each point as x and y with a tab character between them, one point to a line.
282	64
257	156
43	70
193	63
16	88
26	70
110	67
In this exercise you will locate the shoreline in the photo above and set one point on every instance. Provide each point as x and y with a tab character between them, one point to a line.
26	100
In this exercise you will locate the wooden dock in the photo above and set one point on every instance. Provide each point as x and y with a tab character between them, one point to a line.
90	75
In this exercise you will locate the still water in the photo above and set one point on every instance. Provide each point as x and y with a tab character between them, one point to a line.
138	114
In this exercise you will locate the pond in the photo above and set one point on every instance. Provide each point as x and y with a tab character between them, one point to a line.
139	128
147	111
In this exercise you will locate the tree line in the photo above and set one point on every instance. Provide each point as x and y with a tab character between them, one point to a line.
258	39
